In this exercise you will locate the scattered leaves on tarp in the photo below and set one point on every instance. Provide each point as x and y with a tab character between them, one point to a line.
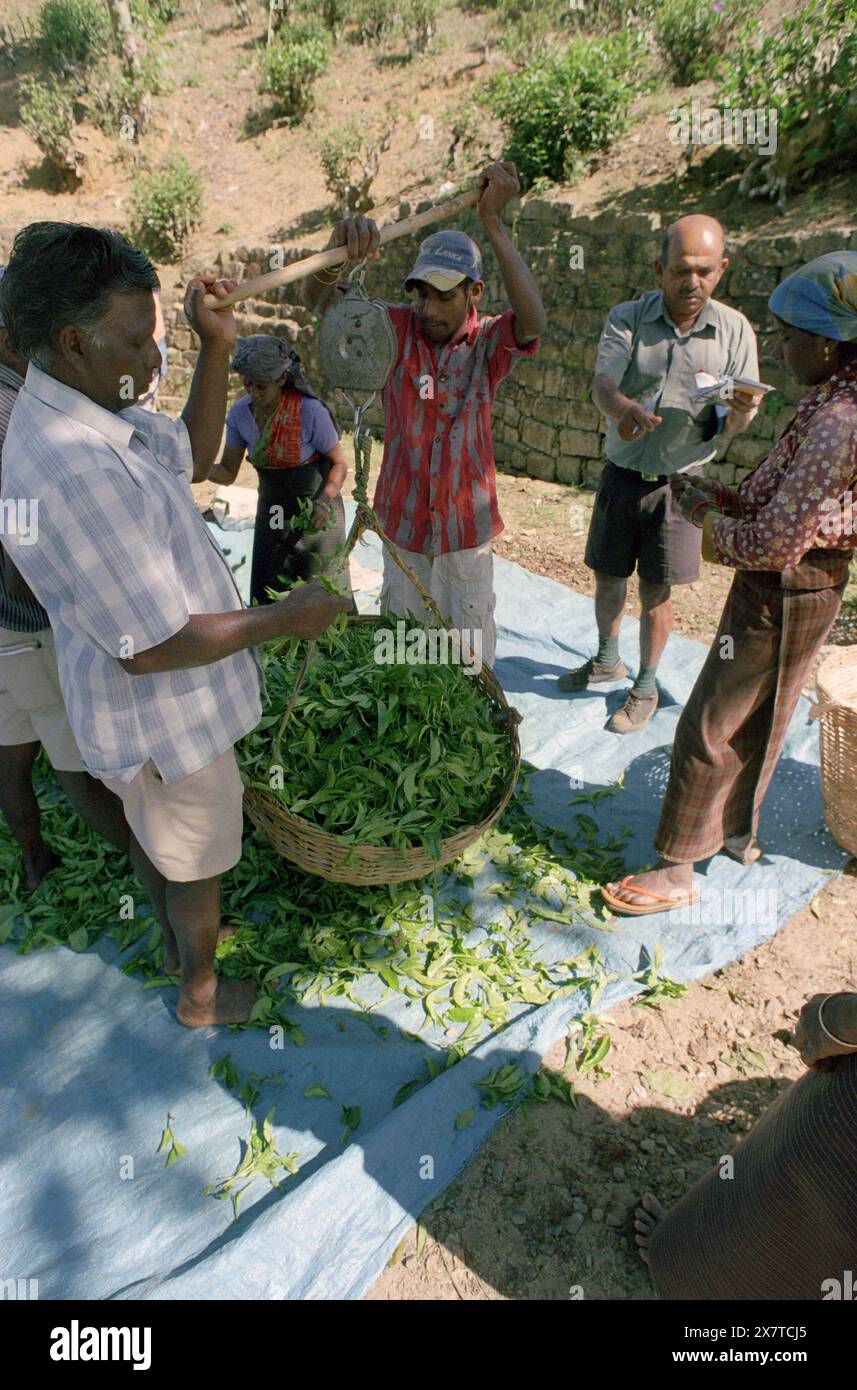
170	1145
260	1158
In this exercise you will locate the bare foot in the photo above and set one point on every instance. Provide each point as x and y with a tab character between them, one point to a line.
37	867
230	1002
172	964
671	880
646	1218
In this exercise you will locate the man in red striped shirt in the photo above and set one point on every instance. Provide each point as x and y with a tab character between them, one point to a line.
436	496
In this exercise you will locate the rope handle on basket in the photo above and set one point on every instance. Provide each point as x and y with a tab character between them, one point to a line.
278	757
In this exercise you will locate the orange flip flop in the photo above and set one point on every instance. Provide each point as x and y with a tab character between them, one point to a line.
643	909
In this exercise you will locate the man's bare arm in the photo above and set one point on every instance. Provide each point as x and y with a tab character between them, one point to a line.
632	419
500	185
205	411
207	637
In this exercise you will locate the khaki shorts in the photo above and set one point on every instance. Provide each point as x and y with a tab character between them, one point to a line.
31	703
461	584
190	829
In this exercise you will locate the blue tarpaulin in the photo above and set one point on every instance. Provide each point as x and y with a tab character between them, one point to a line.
92	1064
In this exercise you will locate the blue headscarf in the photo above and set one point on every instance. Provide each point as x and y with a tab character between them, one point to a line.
821	297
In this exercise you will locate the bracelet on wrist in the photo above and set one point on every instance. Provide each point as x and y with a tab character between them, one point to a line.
840	1042
703	502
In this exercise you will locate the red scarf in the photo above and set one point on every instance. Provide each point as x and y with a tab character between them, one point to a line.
284	441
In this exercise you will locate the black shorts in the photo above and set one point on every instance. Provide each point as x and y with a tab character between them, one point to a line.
637	525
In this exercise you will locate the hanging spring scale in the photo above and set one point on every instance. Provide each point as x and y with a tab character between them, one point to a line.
357	350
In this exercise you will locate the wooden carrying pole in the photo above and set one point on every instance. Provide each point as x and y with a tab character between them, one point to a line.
323	260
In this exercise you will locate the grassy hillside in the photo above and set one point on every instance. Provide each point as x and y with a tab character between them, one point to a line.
262	178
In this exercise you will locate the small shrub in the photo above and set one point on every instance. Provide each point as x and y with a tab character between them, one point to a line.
470	142
807	74
419	22
166	206
152	16
74	33
47	114
334	13
559	112
292	65
376	20
350	157
690	33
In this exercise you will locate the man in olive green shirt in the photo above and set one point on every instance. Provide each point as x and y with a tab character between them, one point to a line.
648	356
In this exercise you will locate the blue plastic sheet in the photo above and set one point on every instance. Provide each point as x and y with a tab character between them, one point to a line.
92	1064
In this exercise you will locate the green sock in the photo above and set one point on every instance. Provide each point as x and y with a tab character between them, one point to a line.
645	682
608	651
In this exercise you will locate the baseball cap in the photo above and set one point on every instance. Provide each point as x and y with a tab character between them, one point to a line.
445	259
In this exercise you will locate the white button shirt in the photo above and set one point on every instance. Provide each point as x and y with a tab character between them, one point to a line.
121	559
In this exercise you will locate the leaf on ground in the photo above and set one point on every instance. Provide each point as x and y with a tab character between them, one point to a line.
422	1237
666	1083
744	1060
463	1119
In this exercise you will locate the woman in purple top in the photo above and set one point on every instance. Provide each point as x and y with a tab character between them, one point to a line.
292	440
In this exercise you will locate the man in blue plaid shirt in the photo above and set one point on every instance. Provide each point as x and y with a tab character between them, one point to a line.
153	643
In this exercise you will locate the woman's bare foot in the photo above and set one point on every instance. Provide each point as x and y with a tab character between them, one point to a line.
37	867
172	964
667	881
646	1218
229	1002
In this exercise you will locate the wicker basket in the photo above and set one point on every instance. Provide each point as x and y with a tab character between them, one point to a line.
333	858
836	711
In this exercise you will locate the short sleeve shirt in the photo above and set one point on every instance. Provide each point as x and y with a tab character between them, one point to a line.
318	433
437	489
121	560
642	351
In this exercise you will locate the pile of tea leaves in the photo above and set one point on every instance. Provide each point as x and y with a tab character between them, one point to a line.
376	751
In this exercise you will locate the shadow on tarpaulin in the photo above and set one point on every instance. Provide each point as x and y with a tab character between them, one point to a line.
93	1064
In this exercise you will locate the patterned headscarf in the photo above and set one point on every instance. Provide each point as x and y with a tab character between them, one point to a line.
821	297
264	357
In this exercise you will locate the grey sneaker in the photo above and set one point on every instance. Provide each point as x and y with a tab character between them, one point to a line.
636	711
591	673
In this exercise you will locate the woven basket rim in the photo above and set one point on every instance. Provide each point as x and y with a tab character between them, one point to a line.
837	670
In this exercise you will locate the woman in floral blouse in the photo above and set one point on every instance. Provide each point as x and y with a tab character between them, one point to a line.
789	531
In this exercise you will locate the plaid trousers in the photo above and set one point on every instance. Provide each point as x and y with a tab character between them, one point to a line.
732	729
